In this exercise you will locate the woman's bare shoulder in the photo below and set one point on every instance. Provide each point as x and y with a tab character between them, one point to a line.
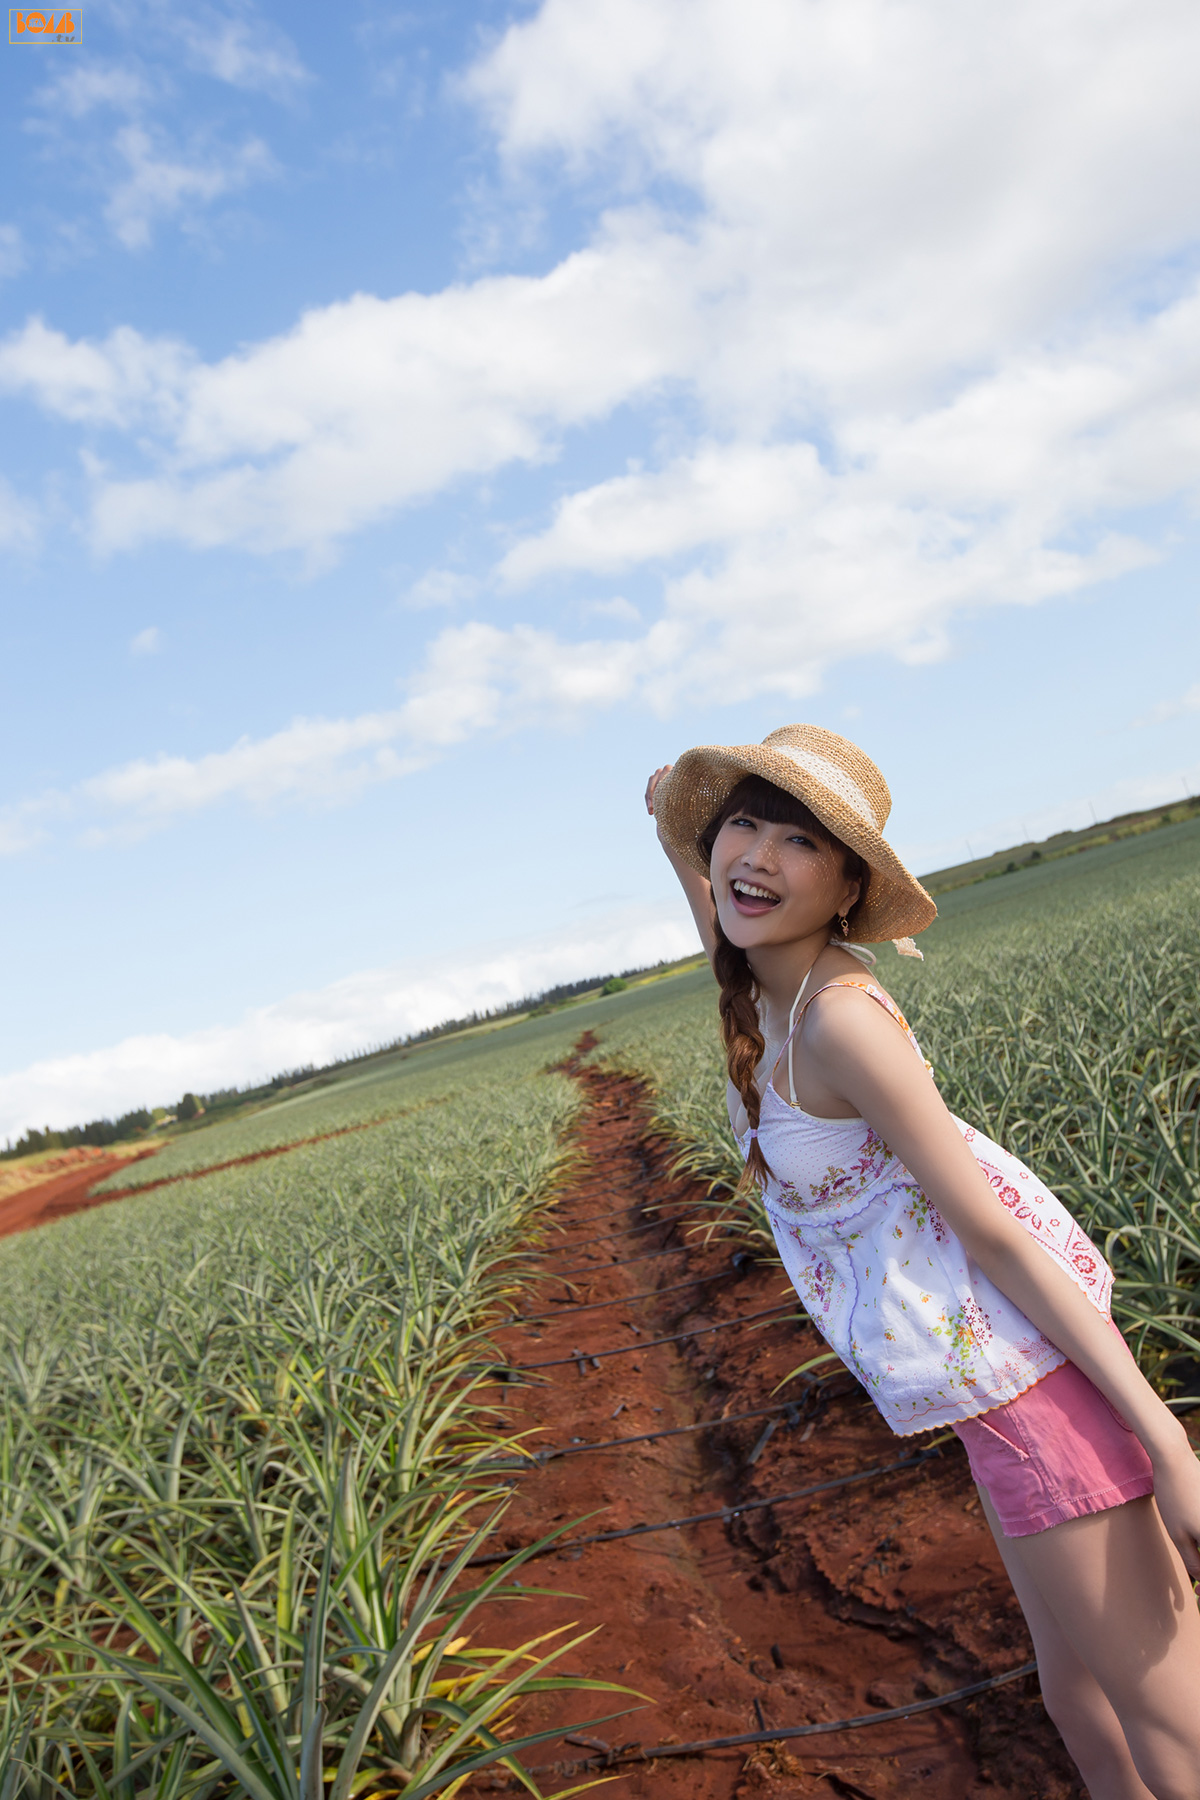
843	974
850	999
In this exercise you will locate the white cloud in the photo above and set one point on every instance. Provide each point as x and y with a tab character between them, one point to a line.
366	405
82	87
478	677
441	587
619	608
12	252
716	493
157	184
925	329
250	52
312	759
146	643
322	761
1173	708
20	830
19	519
372	1007
901	191
124	381
147	177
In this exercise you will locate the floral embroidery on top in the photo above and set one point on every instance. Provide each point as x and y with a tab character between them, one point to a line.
921	1213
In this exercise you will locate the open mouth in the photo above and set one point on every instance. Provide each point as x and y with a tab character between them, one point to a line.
748	897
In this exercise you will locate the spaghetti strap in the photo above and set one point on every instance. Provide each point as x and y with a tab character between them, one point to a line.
868	987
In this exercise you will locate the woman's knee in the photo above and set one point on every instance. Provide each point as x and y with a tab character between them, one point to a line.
1167	1759
1083	1718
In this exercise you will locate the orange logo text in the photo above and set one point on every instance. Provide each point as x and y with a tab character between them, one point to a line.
53	25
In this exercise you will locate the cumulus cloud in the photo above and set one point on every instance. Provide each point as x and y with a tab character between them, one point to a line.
146	643
922	333
371	1007
311	761
899	201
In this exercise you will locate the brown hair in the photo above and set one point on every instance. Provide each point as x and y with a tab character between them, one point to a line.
740	1029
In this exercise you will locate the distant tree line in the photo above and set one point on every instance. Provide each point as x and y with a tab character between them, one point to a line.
98	1132
192	1106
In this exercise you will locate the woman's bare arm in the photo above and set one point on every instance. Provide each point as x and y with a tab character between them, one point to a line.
870	1062
697	890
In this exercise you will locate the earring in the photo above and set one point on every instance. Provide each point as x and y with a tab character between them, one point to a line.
845	925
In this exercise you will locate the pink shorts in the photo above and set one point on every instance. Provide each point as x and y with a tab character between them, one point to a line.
1057	1451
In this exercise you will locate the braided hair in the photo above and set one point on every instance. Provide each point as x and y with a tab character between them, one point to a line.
741	1029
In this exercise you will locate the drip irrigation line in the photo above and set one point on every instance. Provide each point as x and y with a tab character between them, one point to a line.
594	1218
606	1238
723	1513
537	1458
740	1261
620	1262
506	1370
634	1753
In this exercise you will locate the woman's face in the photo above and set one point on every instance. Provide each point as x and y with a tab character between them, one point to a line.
775	884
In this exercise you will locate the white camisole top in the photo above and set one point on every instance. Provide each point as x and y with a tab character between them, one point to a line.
886	1282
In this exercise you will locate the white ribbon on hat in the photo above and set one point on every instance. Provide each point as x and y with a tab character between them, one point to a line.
830	775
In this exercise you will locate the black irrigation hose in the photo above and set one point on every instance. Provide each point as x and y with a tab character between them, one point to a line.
634	1753
594	1218
537	1458
599	1268
723	1513
606	1237
505	1370
740	1262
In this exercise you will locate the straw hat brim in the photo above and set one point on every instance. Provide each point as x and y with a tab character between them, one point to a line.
698	785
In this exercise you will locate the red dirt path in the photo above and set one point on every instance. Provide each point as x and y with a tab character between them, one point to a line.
63	1194
71	1193
830	1608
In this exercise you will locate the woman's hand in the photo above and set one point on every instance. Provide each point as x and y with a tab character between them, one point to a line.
695	887
653	783
1177	1496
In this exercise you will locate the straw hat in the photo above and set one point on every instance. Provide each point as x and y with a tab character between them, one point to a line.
839	785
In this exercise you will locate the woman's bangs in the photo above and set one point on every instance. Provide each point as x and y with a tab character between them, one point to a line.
773	805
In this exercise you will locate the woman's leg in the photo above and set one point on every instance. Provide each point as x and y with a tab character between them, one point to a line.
1117	1632
1073	1698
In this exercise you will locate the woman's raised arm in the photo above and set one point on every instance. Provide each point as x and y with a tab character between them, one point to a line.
697	890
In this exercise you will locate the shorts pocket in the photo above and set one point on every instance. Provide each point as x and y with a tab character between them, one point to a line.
1017	1443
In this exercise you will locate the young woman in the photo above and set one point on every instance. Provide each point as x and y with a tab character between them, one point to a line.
947	1277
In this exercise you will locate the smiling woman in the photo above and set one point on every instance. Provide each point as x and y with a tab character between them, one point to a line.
771	860
955	1286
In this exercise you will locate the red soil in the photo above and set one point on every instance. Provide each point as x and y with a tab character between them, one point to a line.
46	1200
63	1194
859	1600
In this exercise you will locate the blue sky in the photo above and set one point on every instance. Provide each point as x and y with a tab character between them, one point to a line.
420	424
